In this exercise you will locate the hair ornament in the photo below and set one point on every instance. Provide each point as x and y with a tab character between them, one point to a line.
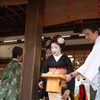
51	37
55	37
48	42
60	40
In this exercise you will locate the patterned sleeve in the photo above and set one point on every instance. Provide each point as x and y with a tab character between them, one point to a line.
14	85
6	76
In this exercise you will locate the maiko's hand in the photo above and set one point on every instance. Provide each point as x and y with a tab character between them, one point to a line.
68	77
66	94
41	84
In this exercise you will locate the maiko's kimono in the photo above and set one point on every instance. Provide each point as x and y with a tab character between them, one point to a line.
10	82
63	66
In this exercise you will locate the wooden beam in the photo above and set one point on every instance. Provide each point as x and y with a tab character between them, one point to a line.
21	9
12	2
32	50
78	47
15	12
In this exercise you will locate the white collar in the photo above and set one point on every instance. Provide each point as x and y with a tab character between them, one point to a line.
15	59
57	57
98	38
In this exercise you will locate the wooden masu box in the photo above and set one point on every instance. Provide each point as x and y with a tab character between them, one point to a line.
54	82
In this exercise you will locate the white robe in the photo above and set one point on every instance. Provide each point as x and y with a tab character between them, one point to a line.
90	68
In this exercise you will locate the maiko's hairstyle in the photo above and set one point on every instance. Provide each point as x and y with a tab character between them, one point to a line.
14	55
54	40
93	27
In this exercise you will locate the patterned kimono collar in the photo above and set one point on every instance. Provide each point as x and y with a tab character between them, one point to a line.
14	59
17	60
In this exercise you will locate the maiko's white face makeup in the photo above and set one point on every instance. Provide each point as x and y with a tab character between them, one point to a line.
55	49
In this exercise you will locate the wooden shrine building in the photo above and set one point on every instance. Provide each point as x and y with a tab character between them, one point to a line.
32	18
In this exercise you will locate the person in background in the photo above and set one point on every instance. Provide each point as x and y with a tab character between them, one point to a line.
61	64
43	92
10	81
48	53
90	67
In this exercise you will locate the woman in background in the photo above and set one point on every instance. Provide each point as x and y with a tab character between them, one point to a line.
43	92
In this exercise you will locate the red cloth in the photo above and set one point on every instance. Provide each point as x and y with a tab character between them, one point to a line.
82	92
59	67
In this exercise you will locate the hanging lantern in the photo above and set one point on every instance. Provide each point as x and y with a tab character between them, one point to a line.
78	27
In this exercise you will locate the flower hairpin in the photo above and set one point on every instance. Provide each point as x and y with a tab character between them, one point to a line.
60	40
51	37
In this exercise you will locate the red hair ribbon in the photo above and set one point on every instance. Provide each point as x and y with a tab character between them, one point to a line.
55	37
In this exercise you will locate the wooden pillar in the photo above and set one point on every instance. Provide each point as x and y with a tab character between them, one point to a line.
32	50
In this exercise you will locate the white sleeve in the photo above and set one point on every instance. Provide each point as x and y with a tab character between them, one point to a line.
90	68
